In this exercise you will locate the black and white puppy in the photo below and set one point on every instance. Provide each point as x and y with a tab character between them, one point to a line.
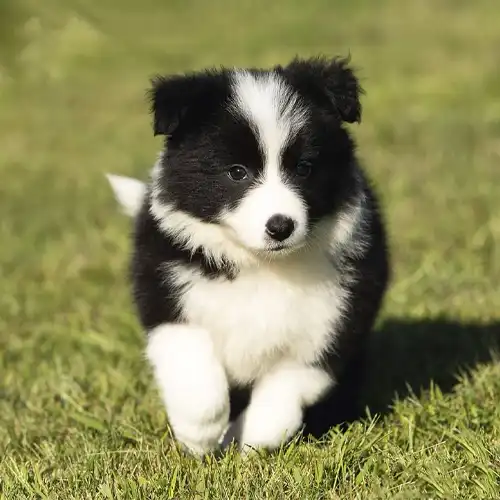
260	259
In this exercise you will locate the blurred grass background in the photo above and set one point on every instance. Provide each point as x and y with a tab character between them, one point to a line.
81	418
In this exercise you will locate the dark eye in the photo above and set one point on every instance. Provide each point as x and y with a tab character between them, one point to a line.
303	169
237	172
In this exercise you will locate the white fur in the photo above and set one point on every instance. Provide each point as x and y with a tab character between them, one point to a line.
270	197
216	241
193	384
349	234
276	115
275	412
272	109
219	241
283	310
128	192
269	326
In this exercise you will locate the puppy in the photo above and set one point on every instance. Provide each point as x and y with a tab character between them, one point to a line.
260	259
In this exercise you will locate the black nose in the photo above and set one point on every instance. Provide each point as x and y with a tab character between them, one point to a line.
280	227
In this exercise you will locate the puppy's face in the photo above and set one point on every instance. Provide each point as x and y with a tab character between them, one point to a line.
262	154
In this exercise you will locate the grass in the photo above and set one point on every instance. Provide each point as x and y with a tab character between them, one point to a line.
79	415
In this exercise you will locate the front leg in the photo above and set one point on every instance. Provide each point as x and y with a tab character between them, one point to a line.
192	383
275	412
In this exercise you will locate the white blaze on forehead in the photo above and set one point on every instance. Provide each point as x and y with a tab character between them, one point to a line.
273	110
275	114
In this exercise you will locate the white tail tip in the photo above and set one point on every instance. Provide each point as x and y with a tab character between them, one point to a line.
128	192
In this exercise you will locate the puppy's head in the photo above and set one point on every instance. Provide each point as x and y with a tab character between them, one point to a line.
260	156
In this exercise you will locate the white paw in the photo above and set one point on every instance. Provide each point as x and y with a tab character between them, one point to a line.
275	412
193	385
269	426
199	436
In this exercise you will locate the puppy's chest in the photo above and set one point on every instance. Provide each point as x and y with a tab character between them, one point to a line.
265	315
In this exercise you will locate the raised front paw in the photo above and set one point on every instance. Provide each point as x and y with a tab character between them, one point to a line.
199	433
193	385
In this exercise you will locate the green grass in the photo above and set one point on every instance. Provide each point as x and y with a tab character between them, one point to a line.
79	414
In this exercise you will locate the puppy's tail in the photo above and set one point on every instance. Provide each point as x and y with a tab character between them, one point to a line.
128	192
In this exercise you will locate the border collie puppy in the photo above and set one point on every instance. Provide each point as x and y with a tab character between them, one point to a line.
260	259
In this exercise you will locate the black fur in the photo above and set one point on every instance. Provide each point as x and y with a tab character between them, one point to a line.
203	138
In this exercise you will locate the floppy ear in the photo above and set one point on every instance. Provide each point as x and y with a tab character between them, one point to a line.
330	83
177	98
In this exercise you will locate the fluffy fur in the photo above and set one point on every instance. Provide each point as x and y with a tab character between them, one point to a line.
260	259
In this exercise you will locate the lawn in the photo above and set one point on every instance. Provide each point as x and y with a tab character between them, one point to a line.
79	414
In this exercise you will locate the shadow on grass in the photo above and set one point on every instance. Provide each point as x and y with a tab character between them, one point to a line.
407	355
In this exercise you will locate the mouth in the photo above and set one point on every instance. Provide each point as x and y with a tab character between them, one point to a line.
283	249
275	250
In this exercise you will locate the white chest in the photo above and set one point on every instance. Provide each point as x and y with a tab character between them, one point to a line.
266	314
